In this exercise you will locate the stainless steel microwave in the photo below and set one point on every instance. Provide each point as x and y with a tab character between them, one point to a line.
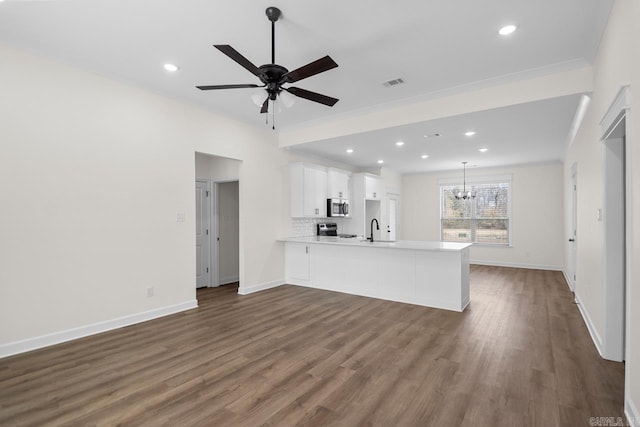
337	207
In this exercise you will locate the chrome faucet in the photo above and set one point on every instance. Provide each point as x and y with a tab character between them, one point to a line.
377	228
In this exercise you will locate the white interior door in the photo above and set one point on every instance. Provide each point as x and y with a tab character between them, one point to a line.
203	236
392	227
574	223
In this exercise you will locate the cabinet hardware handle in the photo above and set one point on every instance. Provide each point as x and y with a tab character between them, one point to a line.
306	248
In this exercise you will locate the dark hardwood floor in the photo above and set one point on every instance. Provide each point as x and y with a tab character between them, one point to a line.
519	355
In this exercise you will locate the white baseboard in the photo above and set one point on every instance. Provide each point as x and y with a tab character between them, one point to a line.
592	330
631	412
569	282
516	265
42	341
246	290
230	279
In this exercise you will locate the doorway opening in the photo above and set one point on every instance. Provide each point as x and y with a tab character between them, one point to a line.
217	222
615	219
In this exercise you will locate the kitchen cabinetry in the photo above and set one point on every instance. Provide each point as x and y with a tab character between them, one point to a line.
373	187
297	260
432	274
308	190
338	183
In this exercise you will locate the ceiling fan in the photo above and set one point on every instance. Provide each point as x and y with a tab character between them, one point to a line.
274	76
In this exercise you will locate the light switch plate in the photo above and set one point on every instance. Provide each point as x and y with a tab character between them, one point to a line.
180	217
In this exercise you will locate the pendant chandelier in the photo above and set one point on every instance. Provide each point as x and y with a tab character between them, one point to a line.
464	194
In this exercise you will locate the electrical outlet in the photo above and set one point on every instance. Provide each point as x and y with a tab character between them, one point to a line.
150	292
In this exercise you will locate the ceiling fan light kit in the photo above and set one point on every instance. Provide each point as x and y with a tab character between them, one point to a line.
274	76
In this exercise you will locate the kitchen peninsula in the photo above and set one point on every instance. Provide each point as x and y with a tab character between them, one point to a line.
432	274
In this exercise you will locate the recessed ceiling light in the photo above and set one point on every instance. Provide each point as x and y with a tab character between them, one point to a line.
424	156
381	161
400	143
171	67
507	29
349	150
483	150
469	133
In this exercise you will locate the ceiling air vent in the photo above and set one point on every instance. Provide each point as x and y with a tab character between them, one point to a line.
394	82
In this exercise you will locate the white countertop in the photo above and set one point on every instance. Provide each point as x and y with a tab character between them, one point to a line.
422	245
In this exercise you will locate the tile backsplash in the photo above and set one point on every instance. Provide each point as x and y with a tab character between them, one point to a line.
301	227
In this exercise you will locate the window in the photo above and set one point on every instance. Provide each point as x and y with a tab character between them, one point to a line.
483	219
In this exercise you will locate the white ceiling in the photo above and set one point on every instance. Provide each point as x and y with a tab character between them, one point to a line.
534	132
434	45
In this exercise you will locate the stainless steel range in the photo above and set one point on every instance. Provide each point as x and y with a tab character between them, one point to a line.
330	229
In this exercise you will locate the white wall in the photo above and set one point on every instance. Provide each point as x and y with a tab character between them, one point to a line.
617	64
537	214
216	168
92	175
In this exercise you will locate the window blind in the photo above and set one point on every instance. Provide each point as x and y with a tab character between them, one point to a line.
483	219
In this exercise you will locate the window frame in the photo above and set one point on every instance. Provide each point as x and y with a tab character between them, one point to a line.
471	182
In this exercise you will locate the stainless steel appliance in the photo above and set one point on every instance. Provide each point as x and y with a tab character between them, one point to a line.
337	207
330	229
327	229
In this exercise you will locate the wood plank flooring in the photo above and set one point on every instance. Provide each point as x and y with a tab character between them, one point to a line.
520	355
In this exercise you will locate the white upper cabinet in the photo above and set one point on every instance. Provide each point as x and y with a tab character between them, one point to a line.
308	190
373	187
367	186
338	182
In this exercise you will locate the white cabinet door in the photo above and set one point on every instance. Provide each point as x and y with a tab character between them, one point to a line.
308	191
315	192
297	261
338	182
373	187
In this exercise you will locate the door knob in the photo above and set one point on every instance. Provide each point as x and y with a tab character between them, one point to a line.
572	240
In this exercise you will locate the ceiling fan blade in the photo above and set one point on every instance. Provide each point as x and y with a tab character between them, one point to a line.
227	87
236	56
316	67
312	96
265	106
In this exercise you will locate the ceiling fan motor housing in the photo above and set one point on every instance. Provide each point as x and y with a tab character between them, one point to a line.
271	76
